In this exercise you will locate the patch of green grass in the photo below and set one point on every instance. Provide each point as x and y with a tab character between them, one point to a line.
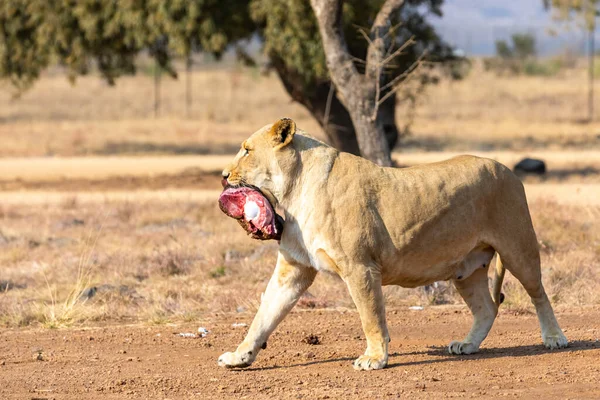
218	272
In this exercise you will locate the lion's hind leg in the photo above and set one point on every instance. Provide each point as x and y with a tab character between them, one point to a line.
525	266
474	290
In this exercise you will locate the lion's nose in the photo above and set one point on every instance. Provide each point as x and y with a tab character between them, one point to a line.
225	175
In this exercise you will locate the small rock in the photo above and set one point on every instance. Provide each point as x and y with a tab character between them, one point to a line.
530	166
233	255
89	292
416	308
2	362
202	332
6	285
33	243
4	239
240	309
239	325
61	241
312	340
106	289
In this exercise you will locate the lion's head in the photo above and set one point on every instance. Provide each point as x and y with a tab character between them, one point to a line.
264	159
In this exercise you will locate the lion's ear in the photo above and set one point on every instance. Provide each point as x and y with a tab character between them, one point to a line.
282	132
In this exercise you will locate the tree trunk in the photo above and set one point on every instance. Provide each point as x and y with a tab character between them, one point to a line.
591	55
360	93
188	86
337	125
157	73
387	116
370	133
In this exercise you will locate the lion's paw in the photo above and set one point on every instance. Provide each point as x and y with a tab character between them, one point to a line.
558	341
235	360
366	363
458	348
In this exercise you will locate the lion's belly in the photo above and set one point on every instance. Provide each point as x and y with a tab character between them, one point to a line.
419	272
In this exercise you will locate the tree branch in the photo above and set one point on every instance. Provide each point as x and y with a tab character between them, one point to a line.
339	61
380	38
394	83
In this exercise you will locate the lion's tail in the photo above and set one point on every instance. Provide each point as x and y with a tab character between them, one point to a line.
498	278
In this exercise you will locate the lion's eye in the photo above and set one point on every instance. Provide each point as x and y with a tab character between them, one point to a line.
246	152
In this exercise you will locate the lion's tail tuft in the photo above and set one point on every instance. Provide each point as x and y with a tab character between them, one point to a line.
498	278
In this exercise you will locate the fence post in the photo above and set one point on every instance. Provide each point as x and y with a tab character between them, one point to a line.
591	55
188	86
157	73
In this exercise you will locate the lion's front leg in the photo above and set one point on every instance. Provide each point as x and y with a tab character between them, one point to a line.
365	288
286	286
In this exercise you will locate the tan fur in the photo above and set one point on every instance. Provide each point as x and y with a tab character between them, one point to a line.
378	226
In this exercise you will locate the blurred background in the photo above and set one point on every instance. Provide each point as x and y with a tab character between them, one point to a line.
116	118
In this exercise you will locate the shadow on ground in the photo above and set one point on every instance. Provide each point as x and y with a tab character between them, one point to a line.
441	355
120	148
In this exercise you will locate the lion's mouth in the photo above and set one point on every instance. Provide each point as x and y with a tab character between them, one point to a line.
253	211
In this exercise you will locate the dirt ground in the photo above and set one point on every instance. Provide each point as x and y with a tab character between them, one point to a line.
140	361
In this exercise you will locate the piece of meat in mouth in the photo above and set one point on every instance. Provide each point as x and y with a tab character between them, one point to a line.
253	211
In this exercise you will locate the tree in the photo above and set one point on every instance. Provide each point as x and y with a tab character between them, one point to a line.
360	93
523	47
24	45
110	34
584	13
503	50
292	42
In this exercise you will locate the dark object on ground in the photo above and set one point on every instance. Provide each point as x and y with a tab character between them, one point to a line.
311	339
121	290
530	166
6	285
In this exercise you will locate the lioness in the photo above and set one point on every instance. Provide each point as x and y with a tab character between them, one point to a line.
378	226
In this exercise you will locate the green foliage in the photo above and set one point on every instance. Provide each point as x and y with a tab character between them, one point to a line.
24	43
291	34
199	25
106	33
531	67
503	50
549	67
110	34
218	272
582	12
523	45
519	58
459	69
291	37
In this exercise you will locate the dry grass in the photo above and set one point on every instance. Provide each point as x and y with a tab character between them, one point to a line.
56	118
156	263
171	255
483	111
